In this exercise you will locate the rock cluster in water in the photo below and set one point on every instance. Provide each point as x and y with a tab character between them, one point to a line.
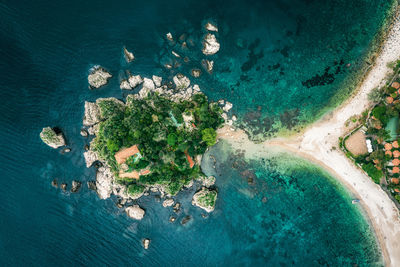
98	77
205	199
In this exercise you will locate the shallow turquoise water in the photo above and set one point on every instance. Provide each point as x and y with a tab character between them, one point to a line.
47	48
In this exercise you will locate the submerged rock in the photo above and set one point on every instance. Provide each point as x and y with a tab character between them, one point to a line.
135	212
210	27
66	150
146	243
63	186
76	185
172	219
51	138
205	199
186	219
92	114
129	57
54	183
210	44
196	73
92	185
208	65
168	202
98	77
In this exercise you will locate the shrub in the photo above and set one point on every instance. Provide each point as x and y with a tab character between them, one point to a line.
209	136
372	172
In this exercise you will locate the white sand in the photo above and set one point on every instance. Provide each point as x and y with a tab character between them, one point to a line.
316	145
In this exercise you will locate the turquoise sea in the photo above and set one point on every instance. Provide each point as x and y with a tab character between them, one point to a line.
281	63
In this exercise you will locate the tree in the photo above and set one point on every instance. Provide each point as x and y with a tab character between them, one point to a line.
375	95
171	139
209	135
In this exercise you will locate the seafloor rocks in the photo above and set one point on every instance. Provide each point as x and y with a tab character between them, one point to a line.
135	80
92	114
210	44
186	219
129	57
135	212
181	81
205	199
54	183
76	185
211	27
63	186
51	138
146	243
168	202
157	80
104	180
169	37
90	157
98	77
208	65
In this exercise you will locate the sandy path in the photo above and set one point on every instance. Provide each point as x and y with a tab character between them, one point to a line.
316	145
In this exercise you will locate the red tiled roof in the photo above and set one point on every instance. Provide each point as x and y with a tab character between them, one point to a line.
189	159
396	170
388	146
395	180
388	152
396	153
396	85
389	100
396	162
395	144
125	153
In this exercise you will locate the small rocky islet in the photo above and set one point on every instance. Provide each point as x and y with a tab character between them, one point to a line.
154	140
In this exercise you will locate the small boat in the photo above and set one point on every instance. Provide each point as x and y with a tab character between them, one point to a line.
355	201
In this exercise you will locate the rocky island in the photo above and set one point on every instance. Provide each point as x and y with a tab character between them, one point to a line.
153	142
51	138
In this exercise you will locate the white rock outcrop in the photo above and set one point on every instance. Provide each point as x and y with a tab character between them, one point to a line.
148	83
227	107
98	77
168	202
135	212
169	37
129	57
135	80
211	27
125	85
181	81
104	181
92	114
208	181
157	80
51	138
90	157
210	44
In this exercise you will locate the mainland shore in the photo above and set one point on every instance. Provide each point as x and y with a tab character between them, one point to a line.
319	144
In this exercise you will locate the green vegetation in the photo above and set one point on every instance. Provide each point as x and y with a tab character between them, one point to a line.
157	126
208	199
373	172
135	189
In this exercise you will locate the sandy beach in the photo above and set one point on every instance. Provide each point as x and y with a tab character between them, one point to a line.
317	141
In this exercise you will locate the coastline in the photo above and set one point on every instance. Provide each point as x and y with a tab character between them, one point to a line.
317	143
352	83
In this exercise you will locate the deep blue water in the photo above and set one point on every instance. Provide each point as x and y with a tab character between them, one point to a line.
279	61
